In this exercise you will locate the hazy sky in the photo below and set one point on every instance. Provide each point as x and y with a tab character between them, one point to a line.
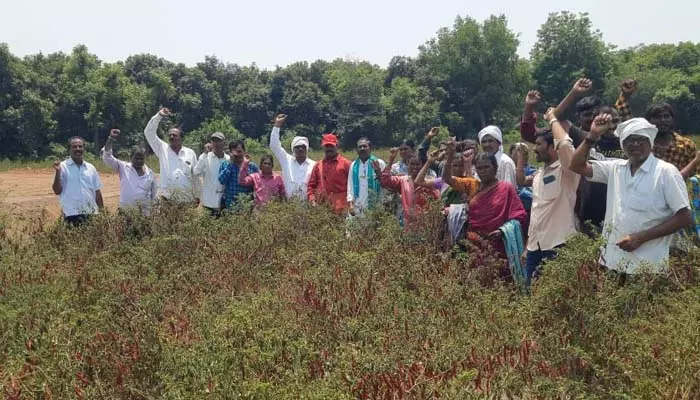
276	32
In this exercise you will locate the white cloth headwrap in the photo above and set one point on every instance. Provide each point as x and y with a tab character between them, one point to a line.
298	141
494	132
636	126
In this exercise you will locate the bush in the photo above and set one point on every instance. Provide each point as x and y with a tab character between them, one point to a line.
283	304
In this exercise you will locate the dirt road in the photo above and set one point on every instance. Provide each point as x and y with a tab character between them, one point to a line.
25	192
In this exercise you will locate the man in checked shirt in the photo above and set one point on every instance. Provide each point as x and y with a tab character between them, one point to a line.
669	145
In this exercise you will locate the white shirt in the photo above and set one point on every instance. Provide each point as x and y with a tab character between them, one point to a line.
506	168
176	178
134	190
636	203
79	184
296	176
208	168
361	203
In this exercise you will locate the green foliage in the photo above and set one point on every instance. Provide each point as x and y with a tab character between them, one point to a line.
476	72
568	48
467	76
242	308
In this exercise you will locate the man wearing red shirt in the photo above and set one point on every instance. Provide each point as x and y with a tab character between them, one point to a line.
329	178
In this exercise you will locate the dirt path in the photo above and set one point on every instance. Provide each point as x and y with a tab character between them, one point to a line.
28	192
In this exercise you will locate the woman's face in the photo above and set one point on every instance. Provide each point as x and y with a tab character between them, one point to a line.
414	166
266	167
485	170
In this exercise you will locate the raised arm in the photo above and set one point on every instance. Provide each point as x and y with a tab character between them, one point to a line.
579	161
447	177
520	168
107	155
580	89
420	178
275	142
243	178
424	146
528	122
386	178
627	89
151	132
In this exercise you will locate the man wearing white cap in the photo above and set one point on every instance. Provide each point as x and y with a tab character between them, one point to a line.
647	200
296	169
491	140
208	168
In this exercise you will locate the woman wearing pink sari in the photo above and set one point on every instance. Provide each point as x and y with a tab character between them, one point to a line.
492	206
415	199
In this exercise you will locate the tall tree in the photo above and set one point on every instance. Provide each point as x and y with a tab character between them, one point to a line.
568	48
474	70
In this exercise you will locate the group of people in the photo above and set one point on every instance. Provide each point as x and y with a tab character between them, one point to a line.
607	174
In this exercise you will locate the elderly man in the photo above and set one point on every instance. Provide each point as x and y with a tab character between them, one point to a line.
491	140
296	169
177	182
208	168
78	184
137	182
647	199
364	188
329	179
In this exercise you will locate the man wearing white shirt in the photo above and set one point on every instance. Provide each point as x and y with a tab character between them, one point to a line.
177	181
137	181
208	168
364	190
647	199
491	140
296	169
78	184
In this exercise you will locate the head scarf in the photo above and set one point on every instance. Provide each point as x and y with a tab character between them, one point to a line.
495	133
636	126
300	141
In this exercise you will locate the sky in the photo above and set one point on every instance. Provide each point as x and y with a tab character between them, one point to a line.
276	32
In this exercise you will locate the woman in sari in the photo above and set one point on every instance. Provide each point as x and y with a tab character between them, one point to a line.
492	207
456	186
415	199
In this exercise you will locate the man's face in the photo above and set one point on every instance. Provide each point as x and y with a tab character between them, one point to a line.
175	137
330	150
542	150
663	121
300	152
138	159
637	148
218	145
237	153
266	166
77	148
363	149
585	118
489	144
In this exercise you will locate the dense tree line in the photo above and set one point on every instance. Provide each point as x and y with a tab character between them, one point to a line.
467	76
